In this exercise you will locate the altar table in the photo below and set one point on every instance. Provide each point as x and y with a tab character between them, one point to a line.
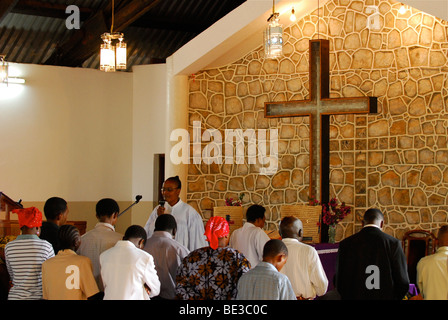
328	253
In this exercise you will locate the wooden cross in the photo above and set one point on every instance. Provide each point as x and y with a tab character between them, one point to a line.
319	106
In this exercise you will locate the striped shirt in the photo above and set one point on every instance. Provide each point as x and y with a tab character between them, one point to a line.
264	282
24	257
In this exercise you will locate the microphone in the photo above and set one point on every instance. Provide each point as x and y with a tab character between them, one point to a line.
137	199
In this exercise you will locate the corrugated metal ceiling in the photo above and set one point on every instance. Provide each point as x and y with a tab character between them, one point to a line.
32	31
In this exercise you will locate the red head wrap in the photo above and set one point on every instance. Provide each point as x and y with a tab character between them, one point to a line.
217	227
30	217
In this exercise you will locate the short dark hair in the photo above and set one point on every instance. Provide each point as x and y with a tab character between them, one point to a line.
175	179
106	207
443	229
67	236
53	207
255	212
274	247
165	222
372	215
135	232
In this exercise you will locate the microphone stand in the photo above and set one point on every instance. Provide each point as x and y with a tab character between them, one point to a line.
137	199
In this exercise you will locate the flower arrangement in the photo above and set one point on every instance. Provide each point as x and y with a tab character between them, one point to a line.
235	202
332	212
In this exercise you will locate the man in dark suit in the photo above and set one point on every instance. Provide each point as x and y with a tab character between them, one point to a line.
371	264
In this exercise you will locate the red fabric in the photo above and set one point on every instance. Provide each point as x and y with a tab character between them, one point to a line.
30	217
217	227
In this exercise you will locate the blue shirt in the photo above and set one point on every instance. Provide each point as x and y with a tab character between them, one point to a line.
264	282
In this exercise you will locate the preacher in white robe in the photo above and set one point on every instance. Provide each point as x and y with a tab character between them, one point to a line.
190	228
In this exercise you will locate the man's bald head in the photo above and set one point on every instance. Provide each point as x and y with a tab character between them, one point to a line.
291	227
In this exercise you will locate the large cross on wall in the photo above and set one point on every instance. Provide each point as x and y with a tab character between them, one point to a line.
319	106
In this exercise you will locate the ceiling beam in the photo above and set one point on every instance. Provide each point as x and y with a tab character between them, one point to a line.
166	23
47	9
57	11
5	7
86	41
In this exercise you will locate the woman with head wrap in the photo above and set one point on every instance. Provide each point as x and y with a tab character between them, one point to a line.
25	255
211	273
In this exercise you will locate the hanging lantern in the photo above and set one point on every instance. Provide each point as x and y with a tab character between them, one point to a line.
273	36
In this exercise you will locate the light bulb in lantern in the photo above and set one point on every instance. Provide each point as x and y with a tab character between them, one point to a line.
402	9
120	50
292	17
107	56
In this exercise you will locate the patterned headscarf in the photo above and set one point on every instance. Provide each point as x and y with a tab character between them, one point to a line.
217	227
30	217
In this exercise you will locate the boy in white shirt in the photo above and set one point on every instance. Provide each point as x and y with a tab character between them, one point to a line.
128	272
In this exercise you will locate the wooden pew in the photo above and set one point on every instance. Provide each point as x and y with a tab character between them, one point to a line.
9	225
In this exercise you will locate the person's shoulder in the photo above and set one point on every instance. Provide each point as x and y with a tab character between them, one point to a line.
195	255
188	208
82	259
46	243
232	251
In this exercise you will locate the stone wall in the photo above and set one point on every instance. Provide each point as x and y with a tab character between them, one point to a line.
396	160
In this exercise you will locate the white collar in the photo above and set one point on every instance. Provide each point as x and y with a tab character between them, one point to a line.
106	225
176	204
371	225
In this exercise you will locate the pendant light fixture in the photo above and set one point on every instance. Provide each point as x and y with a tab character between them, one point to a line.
112	52
402	9
293	17
273	36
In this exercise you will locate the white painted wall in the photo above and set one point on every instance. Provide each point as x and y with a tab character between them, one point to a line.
67	133
149	133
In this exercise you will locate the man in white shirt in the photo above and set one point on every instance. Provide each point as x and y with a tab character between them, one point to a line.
303	268
102	237
190	227
432	270
129	272
250	238
167	254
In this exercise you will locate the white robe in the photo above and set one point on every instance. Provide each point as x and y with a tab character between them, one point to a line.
190	228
